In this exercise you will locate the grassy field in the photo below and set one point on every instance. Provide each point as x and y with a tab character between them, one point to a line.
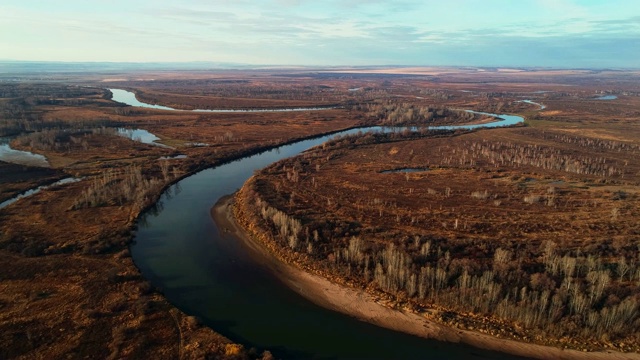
527	233
71	288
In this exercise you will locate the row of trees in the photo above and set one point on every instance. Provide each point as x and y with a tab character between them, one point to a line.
62	139
592	144
33	92
393	113
582	293
505	153
288	228
553	292
131	185
19	112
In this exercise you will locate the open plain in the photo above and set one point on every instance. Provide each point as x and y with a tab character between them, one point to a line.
527	233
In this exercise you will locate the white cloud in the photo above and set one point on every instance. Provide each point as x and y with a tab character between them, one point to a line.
305	31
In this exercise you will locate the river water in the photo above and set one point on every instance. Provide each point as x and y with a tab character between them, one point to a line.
541	107
129	98
141	135
7	154
37	190
180	250
606	97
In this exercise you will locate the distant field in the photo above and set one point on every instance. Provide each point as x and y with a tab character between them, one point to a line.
545	207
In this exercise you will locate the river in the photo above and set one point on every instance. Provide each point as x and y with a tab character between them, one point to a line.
540	106
36	190
129	98
606	97
7	154
181	251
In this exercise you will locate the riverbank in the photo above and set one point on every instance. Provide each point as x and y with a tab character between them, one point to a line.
367	307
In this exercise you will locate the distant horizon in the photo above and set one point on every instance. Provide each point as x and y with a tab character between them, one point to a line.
245	66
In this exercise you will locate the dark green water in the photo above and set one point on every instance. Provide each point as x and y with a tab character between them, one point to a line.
180	250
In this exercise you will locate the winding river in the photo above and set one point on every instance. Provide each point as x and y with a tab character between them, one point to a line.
129	98
180	250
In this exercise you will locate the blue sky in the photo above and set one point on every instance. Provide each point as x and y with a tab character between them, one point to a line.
551	33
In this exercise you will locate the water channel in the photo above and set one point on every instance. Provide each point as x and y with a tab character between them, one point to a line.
541	107
37	190
180	250
129	98
7	154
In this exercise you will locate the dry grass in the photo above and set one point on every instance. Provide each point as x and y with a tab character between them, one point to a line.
69	286
513	190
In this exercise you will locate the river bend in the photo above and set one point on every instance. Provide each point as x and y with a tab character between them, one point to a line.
180	250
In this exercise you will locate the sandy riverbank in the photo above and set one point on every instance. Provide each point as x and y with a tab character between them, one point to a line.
363	306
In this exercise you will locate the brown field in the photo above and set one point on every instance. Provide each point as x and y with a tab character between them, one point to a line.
70	287
529	233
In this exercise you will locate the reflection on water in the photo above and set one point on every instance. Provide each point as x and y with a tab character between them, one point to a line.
37	190
141	135
607	97
534	103
181	156
7	154
129	98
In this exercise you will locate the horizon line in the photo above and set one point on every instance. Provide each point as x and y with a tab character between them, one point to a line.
290	66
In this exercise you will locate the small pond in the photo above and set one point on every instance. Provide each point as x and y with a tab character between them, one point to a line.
606	97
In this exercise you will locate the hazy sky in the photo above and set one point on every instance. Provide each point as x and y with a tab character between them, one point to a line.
560	33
